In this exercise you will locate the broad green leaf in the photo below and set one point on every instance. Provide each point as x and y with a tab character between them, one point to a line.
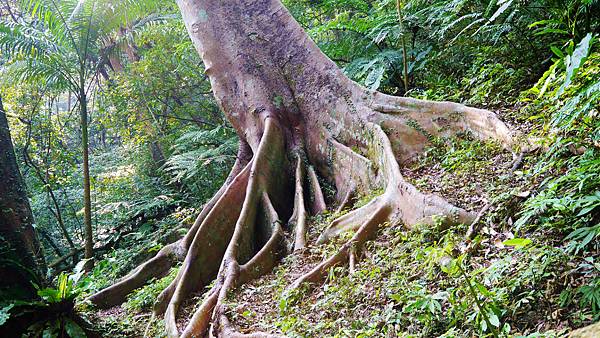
48	333
557	52
549	75
574	61
396	297
494	320
73	329
517	242
587	210
373	80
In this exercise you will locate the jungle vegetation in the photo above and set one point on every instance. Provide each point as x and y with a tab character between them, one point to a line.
299	168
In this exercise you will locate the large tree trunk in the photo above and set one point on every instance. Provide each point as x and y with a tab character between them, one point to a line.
297	115
21	259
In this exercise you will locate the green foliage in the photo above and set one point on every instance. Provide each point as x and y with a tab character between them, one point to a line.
145	297
410	285
575	60
53	315
461	154
201	159
567	197
568	202
64	290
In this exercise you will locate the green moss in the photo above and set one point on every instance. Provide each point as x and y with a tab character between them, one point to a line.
278	101
202	15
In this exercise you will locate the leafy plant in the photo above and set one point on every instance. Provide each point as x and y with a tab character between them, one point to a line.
53	315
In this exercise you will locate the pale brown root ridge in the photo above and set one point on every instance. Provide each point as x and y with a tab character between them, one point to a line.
212	308
474	227
366	231
447	117
347	200
350	220
205	251
318	201
231	273
351	170
298	219
160	264
408	204
222	203
260	264
352	259
182	283
412	123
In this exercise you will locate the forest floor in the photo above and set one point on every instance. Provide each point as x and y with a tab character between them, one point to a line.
399	287
499	283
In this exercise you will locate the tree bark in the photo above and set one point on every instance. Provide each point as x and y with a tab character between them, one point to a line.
297	116
21	258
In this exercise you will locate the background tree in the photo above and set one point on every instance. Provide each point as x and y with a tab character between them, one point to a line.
22	260
59	44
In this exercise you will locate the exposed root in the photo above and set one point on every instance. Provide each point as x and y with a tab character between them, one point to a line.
298	219
200	321
401	202
261	263
409	205
205	252
352	260
239	236
192	271
267	257
350	220
350	169
347	200
318	201
240	246
414	122
158	266
475	226
450	116
366	231
233	274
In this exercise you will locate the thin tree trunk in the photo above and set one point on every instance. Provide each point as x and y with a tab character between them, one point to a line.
404	53
405	64
44	234
87	201
56	211
21	258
